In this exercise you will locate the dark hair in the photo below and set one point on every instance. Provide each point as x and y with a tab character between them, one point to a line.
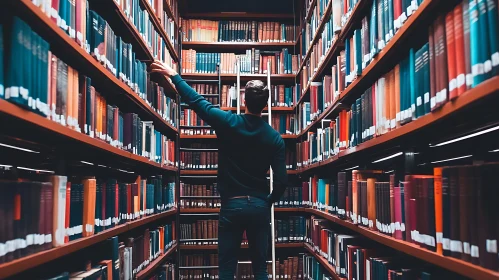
256	96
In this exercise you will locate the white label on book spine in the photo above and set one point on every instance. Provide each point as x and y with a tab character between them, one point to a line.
487	66
402	227
413	108
452	84
467	248
426	97
469	79
456	246
474	251
433	102
419	101
461	79
491	246
3	250
477	69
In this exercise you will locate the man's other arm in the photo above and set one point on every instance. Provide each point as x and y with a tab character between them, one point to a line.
205	110
280	172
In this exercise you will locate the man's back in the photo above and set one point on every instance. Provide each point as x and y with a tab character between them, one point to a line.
247	147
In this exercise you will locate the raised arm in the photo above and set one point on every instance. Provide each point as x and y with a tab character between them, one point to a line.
280	174
204	109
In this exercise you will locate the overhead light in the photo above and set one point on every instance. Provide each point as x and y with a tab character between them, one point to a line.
18	148
467	136
86	162
388	157
36	170
391	171
101	165
351	168
449	159
5	166
131	172
494	151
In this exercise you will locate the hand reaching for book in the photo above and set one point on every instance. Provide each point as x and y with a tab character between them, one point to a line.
161	68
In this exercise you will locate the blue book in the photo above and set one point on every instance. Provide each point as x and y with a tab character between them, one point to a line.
493	35
412	82
476	44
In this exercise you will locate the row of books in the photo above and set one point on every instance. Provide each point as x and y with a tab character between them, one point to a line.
199	30
201	232
167	271
55	89
292	229
53	212
282	123
312	269
199	160
167	23
446	212
123	260
355	258
253	61
286	268
198	260
197	131
189	118
199	196
141	20
96	36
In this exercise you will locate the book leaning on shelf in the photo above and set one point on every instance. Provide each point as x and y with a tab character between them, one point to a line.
56	210
254	61
199	30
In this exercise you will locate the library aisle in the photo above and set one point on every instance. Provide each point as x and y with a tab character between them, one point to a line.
387	108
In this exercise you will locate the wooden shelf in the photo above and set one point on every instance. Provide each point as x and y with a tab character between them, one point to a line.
217	210
214	172
482	91
31	261
159	28
243	246
82	61
237	45
11	110
155	264
458	266
330	268
311	9
276	78
237	15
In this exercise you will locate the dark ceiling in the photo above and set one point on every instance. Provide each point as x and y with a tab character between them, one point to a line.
248	6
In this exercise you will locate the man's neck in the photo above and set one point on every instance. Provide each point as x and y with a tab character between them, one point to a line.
246	112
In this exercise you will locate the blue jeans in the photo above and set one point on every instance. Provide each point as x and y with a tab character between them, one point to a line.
237	215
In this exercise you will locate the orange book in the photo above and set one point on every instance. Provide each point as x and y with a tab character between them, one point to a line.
89	188
327	197
451	54
397	94
139	198
109	267
68	206
460	53
260	32
437	188
371	202
314	191
59	185
354	198
347	126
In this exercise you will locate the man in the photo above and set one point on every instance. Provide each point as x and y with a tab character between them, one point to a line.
248	146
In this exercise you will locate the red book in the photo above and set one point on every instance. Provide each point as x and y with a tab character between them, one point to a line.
54	14
398	213
397	12
460	54
68	204
116	202
314	191
129	200
451	54
103	205
411	227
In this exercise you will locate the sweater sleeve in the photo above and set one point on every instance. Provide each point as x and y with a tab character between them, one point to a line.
280	172
205	110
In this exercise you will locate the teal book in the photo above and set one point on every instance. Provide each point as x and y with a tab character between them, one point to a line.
348	49
358	52
390	19
32	59
418	82
426	79
485	53
16	62
386	19
493	35
45	79
476	62
381	25
412	82
373	30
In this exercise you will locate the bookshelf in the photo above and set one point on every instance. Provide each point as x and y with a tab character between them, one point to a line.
324	263
276	78
231	46
214	172
12	268
464	268
69	146
243	246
